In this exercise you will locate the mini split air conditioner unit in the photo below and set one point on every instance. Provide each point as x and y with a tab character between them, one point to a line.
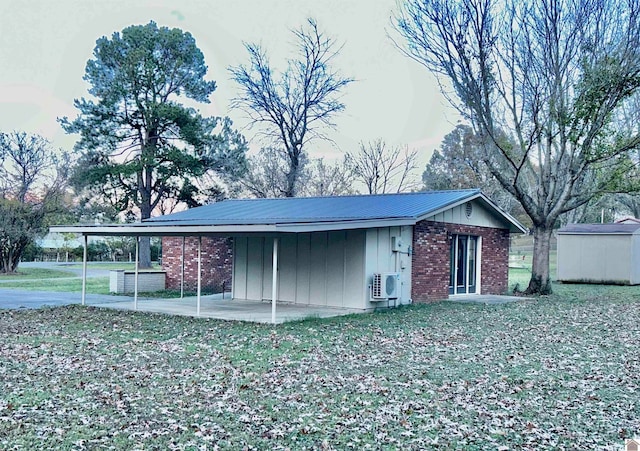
386	285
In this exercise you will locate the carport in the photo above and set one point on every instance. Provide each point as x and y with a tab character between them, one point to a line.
149	229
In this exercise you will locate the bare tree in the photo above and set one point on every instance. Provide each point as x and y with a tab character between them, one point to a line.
384	169
600	209
552	75
295	106
30	170
32	185
629	203
25	158
328	179
266	175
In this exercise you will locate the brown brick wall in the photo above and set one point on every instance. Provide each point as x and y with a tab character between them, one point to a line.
431	254
495	261
430	262
217	262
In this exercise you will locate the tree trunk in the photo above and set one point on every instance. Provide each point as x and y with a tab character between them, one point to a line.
144	252
292	178
540	282
144	256
4	266
8	265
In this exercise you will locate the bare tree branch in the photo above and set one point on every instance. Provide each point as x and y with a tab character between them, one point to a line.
383	169
32	184
328	179
295	106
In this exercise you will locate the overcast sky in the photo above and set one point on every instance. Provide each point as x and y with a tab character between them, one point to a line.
45	45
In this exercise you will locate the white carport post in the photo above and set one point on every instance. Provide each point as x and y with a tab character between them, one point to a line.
182	271
199	274
84	270
135	277
274	280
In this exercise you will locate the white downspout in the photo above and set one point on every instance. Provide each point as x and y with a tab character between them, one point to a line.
199	274
84	271
396	269
135	277
479	266
274	280
182	271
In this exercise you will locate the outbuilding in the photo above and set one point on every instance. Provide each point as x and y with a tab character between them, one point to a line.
599	253
356	252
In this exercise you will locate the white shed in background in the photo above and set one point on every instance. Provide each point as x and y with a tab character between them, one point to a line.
599	253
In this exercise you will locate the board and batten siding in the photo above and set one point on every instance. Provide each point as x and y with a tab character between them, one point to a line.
480	216
380	259
317	268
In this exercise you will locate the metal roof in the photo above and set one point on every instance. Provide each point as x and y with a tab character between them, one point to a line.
301	214
594	229
316	209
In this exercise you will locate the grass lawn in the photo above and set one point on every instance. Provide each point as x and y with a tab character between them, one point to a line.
96	285
35	273
559	372
61	280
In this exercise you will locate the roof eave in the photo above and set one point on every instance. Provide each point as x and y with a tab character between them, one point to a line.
150	229
162	230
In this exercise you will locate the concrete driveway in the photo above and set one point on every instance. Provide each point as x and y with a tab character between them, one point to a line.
19	299
15	298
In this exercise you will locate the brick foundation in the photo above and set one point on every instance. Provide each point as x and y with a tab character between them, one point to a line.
217	262
431	264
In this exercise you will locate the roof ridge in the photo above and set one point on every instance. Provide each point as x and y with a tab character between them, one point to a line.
461	190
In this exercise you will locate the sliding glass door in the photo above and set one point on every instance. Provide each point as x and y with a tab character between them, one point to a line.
464	251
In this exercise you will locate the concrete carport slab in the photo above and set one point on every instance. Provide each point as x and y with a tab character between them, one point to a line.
226	309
